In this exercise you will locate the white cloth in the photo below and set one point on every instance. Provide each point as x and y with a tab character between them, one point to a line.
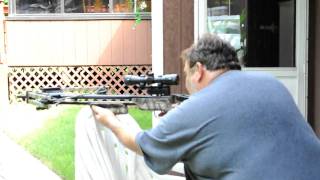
100	156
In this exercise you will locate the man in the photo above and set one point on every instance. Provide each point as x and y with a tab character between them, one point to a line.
235	125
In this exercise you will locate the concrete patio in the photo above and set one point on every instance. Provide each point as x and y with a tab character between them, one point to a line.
15	162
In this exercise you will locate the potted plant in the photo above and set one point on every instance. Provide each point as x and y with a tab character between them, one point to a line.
5	7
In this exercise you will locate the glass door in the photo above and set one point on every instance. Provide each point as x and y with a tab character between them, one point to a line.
268	35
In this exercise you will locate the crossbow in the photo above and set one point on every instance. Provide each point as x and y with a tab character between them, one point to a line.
158	96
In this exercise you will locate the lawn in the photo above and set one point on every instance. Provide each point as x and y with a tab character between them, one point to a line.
54	143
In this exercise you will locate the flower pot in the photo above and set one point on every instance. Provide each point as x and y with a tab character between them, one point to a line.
5	9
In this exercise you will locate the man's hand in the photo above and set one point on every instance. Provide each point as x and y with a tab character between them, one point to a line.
105	117
125	135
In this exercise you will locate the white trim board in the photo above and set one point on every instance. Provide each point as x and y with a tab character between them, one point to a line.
157	37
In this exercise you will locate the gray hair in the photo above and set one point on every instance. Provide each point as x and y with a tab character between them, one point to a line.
213	52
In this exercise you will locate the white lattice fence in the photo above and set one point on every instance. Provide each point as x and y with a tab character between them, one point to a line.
22	79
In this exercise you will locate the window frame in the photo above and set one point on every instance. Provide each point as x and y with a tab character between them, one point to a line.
75	16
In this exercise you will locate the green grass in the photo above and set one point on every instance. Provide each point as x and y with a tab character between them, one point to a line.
54	143
143	118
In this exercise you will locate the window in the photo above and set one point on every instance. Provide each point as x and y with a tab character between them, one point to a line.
262	32
41	7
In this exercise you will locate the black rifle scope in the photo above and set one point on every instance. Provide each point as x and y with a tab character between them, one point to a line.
167	79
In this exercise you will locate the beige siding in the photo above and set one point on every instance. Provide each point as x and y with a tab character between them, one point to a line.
100	42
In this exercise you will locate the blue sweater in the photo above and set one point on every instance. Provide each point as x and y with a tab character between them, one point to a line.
243	126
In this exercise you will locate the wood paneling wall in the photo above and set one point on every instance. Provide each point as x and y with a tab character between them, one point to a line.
98	42
178	35
314	66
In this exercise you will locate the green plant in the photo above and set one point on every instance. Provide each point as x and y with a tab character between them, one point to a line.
243	19
138	19
140	7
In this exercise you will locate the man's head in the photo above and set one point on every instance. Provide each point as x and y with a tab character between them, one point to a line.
206	60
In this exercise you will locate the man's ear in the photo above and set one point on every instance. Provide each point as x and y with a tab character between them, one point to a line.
199	74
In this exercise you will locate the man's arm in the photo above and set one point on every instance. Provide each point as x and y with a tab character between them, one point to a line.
125	135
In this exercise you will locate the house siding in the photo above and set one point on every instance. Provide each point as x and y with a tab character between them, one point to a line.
314	66
95	42
178	35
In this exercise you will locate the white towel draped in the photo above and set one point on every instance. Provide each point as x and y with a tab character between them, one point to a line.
99	155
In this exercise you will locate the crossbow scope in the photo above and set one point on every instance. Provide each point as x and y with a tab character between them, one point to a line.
167	79
155	85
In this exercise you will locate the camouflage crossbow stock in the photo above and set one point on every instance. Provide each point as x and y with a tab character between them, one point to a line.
158	96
